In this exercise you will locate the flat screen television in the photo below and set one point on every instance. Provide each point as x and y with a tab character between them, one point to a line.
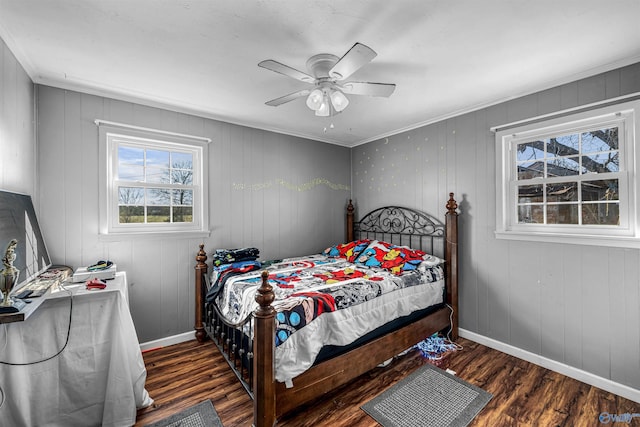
18	221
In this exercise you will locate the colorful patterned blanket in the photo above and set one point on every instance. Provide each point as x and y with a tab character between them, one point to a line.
307	287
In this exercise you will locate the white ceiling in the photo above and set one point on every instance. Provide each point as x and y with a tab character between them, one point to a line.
201	56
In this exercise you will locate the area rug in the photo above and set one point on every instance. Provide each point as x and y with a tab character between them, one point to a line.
428	397
200	415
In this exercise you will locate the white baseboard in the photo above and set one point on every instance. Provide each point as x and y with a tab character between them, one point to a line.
570	371
163	342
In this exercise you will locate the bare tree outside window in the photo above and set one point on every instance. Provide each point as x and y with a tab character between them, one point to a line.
171	202
131	204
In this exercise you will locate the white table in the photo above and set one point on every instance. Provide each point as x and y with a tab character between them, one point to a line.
97	380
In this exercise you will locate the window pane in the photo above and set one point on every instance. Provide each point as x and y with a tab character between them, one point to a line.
130	155
181	160
530	151
131	173
130	196
158	196
129	214
530	194
158	175
562	192
158	213
158	158
530	170
182	176
531	214
600	140
606	189
562	214
566	145
183	197
182	214
601	162
601	214
563	166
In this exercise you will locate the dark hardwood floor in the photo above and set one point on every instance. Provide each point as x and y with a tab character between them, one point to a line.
524	394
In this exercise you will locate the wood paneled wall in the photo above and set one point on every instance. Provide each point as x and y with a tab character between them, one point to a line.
17	126
577	305
281	194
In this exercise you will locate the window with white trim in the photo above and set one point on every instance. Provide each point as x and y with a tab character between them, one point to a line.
152	181
570	179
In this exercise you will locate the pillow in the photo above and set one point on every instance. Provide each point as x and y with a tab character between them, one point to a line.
396	259
349	251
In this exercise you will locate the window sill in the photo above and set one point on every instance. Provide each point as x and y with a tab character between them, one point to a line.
571	239
115	237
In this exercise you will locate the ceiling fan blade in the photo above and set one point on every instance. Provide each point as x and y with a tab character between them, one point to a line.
355	58
371	89
272	65
287	98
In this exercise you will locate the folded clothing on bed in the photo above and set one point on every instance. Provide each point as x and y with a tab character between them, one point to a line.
228	256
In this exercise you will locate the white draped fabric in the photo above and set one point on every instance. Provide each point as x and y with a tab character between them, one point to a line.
97	380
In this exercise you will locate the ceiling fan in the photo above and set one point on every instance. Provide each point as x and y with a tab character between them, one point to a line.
327	73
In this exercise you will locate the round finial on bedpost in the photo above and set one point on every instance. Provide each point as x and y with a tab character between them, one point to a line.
265	296
350	207
201	256
452	205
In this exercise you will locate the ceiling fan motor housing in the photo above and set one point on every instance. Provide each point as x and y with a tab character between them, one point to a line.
319	65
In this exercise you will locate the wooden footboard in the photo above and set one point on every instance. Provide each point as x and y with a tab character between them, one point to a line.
272	399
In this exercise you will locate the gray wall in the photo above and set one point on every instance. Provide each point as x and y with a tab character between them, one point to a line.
578	305
265	190
17	126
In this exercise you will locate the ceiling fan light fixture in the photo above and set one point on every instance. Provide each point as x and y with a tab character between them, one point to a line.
339	100
315	99
325	108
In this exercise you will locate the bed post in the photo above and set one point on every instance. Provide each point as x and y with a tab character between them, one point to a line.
451	254
264	386
201	270
350	231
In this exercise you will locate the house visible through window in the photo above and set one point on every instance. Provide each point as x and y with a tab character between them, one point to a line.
563	179
152	182
570	179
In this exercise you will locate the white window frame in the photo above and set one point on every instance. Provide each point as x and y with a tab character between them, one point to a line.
626	234
111	135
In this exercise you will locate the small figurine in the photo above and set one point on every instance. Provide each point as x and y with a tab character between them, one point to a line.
10	255
8	275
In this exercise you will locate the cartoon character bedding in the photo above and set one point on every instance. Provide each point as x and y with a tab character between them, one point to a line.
331	298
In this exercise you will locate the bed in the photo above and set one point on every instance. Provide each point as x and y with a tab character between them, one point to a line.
295	329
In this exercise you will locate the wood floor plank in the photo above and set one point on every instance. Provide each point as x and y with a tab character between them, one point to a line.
185	374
